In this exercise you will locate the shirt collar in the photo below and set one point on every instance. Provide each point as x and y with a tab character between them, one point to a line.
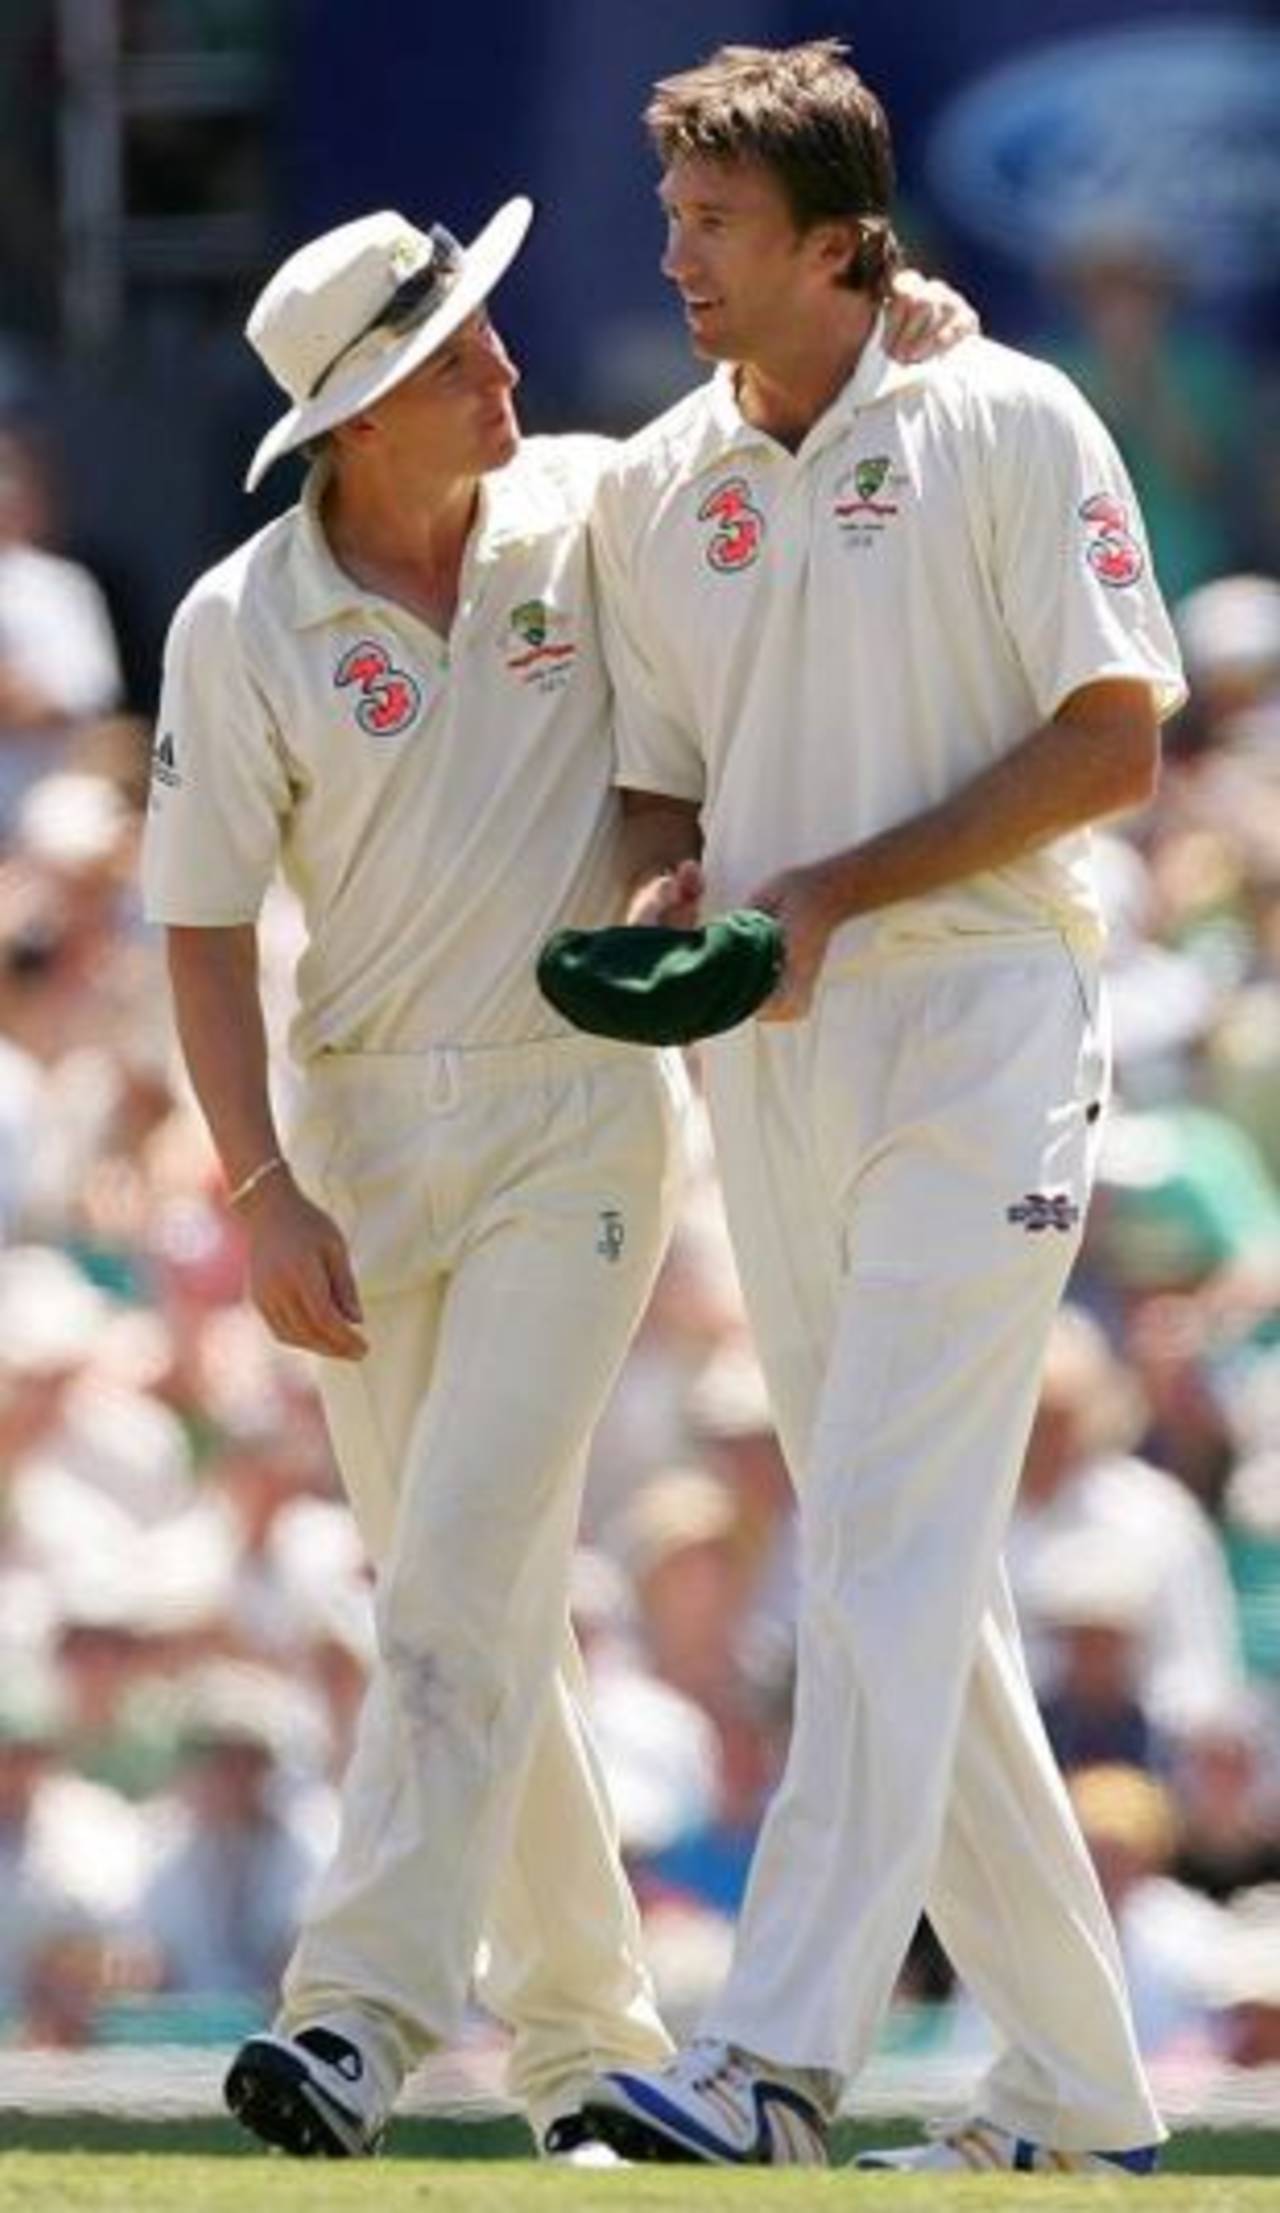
515	509
321	587
876	376
518	505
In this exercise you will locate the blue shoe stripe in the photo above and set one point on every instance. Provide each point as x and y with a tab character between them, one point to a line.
649	2100
1143	2161
780	2093
675	2122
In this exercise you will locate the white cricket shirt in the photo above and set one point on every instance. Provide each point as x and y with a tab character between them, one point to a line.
437	805
816	646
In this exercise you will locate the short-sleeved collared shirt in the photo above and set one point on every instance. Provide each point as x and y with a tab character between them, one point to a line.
818	645
437	805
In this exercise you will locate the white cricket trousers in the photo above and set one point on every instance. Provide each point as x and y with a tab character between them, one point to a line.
905	1175
506	1210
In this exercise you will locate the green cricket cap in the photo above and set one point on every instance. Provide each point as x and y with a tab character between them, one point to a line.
655	986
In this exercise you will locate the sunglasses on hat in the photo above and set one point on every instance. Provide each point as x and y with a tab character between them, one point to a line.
416	297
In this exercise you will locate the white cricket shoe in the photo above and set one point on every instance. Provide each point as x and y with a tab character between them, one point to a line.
312	2094
983	2145
573	2142
712	2103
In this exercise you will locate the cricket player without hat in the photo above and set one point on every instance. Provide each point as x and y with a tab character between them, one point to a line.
351	314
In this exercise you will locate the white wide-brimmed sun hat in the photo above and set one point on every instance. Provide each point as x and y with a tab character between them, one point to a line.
352	313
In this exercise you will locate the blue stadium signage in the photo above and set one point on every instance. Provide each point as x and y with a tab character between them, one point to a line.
1166	132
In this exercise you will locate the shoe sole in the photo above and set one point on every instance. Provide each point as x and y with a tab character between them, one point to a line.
1099	2167
270	2094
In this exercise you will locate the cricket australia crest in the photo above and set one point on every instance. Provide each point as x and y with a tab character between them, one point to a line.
536	645
868	497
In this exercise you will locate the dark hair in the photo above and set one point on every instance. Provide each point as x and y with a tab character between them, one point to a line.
805	115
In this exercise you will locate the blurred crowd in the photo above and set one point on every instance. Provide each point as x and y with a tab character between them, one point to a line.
185	1616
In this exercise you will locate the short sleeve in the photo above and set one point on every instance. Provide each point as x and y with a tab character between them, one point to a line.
654	749
219	786
1073	566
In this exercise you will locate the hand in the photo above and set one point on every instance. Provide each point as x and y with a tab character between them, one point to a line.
800	899
672	900
924	317
300	1274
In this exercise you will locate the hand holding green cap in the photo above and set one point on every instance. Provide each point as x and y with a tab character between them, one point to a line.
655	986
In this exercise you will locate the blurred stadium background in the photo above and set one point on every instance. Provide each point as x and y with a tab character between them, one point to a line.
183	1613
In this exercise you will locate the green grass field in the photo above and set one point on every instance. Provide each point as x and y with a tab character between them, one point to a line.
84	2163
141	2182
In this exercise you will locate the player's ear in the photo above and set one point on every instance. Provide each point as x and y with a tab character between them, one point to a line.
833	245
355	431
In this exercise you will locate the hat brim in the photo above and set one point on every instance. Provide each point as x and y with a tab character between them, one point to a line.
657	986
484	261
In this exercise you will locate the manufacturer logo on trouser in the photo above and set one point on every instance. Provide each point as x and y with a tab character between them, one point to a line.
613	1234
1041	1210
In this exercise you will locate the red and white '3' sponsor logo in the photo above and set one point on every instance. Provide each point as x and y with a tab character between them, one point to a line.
389	697
739	529
1111	550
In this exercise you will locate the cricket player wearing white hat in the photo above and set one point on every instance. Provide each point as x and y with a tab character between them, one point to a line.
395	694
939	655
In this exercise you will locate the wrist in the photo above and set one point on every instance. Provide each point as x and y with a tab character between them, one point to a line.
242	1196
